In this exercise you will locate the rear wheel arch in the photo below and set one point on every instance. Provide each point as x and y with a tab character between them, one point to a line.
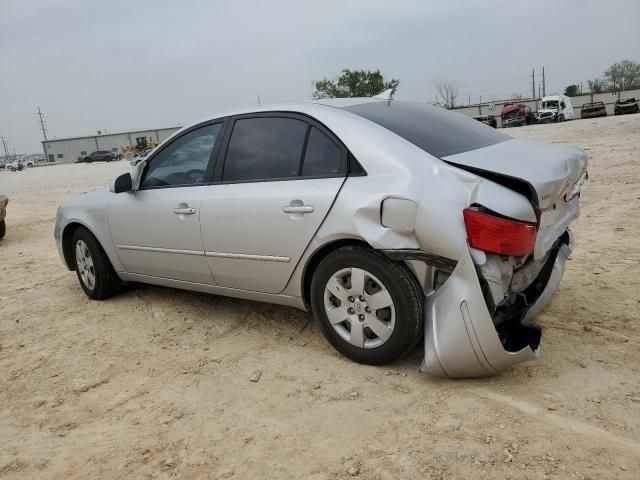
318	256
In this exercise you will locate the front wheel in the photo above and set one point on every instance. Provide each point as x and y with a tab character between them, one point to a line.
97	277
370	308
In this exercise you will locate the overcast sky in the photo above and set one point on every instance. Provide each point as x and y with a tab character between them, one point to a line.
128	64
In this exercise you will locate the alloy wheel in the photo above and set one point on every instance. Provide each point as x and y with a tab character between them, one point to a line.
359	308
84	264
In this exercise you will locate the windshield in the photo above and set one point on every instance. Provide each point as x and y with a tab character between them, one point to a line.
433	129
550	104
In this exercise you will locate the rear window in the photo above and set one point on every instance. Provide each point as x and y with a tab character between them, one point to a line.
433	129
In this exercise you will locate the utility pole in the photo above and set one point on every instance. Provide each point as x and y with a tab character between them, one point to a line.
469	99
259	102
44	134
6	152
533	83
44	130
480	106
544	84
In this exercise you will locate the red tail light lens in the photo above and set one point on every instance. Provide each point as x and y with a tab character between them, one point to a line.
498	235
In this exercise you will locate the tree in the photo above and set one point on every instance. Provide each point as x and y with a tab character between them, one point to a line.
447	91
597	85
571	90
624	75
354	83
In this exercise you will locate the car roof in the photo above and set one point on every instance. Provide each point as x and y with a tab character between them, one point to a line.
385	151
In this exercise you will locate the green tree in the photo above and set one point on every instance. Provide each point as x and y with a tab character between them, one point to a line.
516	97
354	83
624	75
597	85
571	90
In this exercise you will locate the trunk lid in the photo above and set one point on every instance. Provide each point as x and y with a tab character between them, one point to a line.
550	170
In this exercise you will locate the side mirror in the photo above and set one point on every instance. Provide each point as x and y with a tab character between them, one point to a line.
122	183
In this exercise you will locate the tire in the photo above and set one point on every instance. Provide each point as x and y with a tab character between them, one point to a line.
3	229
95	273
403	320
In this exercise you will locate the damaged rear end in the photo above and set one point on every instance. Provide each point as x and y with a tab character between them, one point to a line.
478	317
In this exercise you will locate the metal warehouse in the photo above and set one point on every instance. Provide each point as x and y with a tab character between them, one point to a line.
67	150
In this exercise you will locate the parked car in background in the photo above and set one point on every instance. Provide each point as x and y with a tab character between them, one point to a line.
386	219
592	110
15	166
3	214
98	156
516	115
555	108
140	157
626	105
487	120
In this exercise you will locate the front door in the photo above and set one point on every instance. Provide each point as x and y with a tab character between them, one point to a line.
156	229
275	185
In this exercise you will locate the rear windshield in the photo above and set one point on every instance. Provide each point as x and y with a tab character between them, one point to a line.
433	129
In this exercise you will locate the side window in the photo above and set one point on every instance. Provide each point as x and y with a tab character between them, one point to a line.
563	105
322	156
265	147
184	161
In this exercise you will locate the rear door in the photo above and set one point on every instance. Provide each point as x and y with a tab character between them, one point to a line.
156	229
276	179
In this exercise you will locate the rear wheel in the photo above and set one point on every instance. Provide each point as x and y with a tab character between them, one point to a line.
3	229
369	307
97	277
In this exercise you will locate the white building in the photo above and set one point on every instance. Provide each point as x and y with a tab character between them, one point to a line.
67	150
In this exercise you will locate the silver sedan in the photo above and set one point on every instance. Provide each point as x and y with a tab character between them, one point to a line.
387	220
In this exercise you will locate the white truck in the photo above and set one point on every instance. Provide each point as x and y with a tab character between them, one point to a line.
555	108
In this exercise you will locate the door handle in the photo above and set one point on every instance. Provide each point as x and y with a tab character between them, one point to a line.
298	209
184	211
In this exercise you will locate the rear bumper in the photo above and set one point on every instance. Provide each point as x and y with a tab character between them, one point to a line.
513	121
461	340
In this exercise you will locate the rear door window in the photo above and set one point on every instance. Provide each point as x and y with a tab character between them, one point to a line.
433	129
264	148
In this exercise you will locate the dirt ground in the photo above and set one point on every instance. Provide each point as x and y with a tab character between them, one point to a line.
155	383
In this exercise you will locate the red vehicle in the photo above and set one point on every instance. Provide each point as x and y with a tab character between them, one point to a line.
516	114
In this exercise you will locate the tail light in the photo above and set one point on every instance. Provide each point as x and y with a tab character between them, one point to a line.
498	235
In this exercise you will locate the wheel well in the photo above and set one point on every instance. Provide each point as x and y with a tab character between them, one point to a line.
67	247
317	257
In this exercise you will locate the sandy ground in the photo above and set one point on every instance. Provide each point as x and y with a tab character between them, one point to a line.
155	383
